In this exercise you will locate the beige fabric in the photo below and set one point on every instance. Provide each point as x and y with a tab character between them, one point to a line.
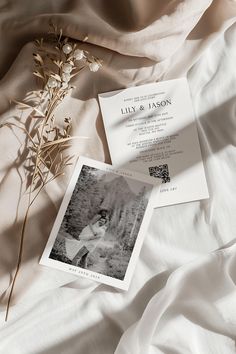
139	41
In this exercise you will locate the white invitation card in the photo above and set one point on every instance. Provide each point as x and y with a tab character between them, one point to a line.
151	129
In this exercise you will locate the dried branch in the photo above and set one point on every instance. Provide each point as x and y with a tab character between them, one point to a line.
46	141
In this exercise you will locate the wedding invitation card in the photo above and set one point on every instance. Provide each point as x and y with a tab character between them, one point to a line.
101	224
151	129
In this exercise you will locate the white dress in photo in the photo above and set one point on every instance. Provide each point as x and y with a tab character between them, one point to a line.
89	237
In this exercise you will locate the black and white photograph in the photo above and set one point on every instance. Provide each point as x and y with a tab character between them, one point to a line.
102	221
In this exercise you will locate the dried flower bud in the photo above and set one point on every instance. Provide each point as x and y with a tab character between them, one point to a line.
67	48
94	66
78	54
67	68
52	82
65	77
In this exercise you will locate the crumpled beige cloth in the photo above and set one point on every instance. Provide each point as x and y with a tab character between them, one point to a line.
139	42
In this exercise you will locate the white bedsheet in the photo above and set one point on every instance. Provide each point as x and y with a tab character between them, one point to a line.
182	298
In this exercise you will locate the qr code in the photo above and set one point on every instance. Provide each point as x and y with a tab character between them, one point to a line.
160	171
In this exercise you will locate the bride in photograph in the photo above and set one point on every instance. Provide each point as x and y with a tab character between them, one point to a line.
89	238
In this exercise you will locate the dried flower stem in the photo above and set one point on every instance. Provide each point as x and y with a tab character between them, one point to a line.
18	262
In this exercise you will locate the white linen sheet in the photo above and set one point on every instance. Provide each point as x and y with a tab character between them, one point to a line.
182	298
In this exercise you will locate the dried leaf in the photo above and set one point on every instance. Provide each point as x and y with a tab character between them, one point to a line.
55	76
57	63
39	112
33	116
36	73
23	105
65	146
38	58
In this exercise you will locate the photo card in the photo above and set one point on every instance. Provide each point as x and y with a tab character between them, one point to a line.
101	223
